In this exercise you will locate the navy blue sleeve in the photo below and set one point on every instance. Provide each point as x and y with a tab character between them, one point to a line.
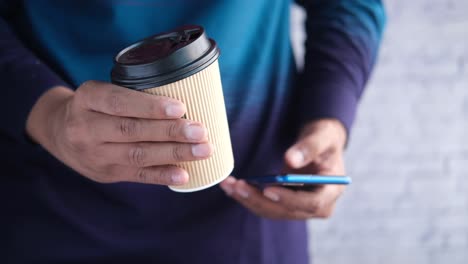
343	37
24	78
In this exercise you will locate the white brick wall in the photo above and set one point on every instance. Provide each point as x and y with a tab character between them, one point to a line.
409	150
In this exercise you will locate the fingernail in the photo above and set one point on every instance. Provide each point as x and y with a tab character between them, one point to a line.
201	150
175	110
242	193
195	132
272	196
297	158
178	178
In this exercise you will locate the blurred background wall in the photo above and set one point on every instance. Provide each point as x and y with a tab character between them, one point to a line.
408	154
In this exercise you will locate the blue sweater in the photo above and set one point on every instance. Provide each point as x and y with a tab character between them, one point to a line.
53	215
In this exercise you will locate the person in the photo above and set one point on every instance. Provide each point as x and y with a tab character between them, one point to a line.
86	164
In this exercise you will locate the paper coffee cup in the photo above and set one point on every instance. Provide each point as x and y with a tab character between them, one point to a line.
183	64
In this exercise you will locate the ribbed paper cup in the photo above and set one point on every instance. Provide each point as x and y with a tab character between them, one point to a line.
183	64
202	93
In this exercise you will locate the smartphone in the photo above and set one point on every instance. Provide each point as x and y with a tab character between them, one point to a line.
297	181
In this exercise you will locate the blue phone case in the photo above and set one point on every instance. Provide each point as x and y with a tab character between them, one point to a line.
297	180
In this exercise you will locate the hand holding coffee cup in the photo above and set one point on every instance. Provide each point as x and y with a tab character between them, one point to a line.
182	64
109	133
112	134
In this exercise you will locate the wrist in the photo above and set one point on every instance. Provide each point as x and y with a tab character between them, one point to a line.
41	125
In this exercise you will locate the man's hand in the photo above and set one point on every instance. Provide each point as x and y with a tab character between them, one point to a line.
319	150
112	134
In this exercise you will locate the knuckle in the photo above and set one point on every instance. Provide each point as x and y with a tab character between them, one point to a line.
172	130
74	134
142	175
129	127
178	153
137	156
116	104
86	96
86	86
84	89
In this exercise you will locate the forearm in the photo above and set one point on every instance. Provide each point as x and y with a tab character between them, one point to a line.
24	79
343	39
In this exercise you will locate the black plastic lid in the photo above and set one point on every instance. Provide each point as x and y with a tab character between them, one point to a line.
164	58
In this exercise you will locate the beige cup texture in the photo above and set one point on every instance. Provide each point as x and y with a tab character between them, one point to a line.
202	94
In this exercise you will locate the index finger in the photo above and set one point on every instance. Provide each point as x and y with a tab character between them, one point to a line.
262	206
119	101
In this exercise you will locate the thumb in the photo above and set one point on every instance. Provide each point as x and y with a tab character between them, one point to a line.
304	151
